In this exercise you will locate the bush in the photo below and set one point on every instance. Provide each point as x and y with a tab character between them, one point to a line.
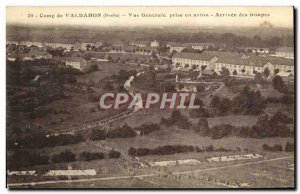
65	156
247	102
275	148
88	156
122	132
278	84
96	135
40	141
132	151
200	88
202	127
220	131
177	119
161	150
113	154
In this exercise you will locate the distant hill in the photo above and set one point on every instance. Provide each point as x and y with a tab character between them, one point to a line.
73	34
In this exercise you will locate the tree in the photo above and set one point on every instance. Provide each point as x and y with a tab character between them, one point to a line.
88	156
113	154
88	46
181	86
65	156
248	102
194	67
203	67
200	88
225	72
186	65
169	87
234	72
258	78
276	71
278	84
215	102
202	127
266	72
96	134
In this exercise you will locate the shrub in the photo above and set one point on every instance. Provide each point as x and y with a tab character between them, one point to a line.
177	119
132	151
65	156
275	148
96	135
88	156
122	132
113	154
40	141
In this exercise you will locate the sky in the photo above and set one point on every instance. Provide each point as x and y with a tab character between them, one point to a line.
127	16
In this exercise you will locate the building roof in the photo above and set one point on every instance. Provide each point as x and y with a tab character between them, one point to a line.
141	42
285	49
190	44
235	58
284	74
194	56
280	61
251	59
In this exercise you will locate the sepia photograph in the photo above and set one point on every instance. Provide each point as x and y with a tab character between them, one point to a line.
169	97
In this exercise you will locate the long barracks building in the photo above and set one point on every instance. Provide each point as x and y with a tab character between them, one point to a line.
236	63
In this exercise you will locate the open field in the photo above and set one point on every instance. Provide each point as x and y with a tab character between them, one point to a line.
107	69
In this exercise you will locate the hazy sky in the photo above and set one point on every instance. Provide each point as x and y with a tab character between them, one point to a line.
192	16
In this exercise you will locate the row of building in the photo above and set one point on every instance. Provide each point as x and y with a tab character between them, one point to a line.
84	45
237	64
178	47
285	52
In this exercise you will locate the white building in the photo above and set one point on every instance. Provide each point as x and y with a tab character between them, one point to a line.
155	44
177	47
188	60
237	64
243	65
285	52
259	50
56	45
12	42
77	63
36	54
31	43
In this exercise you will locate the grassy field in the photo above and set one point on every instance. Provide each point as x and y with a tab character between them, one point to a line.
107	69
